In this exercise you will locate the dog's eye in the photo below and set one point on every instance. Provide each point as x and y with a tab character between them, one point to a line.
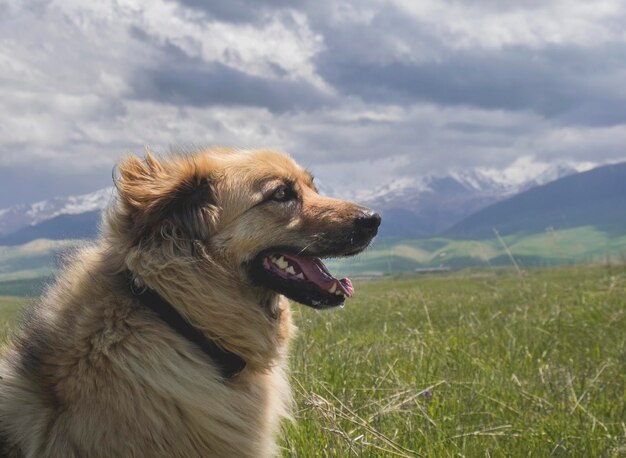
283	194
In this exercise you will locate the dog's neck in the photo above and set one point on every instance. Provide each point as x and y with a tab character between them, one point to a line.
229	364
235	317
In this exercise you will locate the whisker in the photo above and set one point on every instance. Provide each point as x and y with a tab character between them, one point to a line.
303	249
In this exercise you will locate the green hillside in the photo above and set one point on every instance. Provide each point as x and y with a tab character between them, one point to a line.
549	248
29	287
32	260
24	269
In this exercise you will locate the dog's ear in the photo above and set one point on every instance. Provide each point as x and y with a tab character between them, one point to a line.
154	191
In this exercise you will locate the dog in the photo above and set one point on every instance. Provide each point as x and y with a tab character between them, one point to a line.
168	335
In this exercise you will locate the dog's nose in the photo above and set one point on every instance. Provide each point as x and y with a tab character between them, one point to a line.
368	222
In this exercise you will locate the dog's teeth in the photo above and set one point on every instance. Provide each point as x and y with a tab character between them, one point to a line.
290	270
300	276
333	288
339	292
282	263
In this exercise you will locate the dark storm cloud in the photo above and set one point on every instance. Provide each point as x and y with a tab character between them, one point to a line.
237	10
567	83
570	84
207	84
499	5
550	82
185	81
474	128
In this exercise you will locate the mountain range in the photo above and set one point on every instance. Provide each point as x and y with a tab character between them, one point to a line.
456	220
21	216
411	208
429	205
594	198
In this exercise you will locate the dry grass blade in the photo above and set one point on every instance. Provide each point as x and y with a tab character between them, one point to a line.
495	431
336	409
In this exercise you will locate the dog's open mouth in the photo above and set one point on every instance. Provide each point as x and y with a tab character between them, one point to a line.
302	278
300	268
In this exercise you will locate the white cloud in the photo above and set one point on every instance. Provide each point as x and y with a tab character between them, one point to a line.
493	25
70	72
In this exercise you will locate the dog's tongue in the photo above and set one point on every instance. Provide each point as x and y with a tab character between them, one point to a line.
315	271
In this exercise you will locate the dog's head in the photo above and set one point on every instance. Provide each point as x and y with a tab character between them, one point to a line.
257	215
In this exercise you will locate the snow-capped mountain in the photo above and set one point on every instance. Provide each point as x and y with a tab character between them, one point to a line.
411	207
595	198
431	204
23	215
472	181
554	173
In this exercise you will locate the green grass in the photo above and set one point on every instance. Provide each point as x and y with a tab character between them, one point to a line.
10	308
482	363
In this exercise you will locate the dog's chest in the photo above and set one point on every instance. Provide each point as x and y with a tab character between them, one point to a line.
238	417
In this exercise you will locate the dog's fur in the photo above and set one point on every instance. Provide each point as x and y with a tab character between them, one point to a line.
93	373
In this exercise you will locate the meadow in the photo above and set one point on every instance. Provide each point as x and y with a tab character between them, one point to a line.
481	363
490	363
550	248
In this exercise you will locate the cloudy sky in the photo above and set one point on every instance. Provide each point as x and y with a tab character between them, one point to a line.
361	92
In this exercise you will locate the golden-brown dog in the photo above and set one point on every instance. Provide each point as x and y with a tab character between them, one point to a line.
168	336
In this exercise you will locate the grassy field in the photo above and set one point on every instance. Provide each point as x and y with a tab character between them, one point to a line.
550	248
10	308
483	363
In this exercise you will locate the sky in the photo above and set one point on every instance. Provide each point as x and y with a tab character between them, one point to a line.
360	91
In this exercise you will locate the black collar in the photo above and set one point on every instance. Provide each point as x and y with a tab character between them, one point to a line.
228	362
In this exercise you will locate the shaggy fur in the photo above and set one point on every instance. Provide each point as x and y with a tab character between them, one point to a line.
93	373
